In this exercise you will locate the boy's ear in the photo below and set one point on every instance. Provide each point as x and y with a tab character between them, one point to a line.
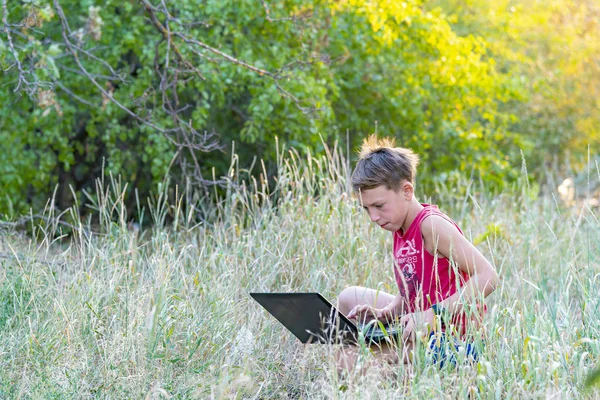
408	190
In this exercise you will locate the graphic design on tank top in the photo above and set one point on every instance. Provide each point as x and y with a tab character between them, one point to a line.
406	259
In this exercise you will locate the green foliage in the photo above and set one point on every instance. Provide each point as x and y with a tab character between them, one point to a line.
50	138
438	92
594	378
250	71
552	48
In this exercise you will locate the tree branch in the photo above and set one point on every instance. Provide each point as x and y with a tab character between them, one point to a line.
22	80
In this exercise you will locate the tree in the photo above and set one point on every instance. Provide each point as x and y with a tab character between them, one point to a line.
157	87
553	48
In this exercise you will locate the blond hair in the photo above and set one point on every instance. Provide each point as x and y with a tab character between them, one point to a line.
382	163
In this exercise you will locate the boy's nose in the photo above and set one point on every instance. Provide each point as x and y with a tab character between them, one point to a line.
374	216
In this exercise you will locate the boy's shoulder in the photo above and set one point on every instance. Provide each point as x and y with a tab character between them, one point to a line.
439	223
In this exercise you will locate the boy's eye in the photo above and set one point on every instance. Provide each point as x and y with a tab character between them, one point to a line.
378	205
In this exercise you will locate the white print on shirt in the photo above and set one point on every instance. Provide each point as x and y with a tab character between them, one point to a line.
406	262
407	250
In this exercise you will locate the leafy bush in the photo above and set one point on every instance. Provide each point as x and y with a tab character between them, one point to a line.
151	89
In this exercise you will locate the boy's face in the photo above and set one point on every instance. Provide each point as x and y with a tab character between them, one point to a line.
387	208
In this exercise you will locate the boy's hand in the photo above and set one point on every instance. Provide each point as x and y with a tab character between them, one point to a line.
366	313
413	321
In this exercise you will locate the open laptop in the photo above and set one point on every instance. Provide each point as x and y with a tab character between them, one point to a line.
313	319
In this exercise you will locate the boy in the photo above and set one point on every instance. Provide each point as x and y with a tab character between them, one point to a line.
437	270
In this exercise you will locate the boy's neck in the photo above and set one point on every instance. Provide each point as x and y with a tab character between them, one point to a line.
414	209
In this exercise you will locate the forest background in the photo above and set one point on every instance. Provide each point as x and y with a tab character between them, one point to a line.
145	90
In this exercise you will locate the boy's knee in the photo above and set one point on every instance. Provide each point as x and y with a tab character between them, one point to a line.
346	299
349	291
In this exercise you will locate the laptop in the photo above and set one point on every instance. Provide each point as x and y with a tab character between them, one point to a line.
313	319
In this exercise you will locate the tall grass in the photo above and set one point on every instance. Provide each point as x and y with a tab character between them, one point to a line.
112	311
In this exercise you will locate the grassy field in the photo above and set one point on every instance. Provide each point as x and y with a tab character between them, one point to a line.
112	311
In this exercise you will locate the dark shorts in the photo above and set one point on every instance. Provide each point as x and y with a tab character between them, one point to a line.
441	347
444	348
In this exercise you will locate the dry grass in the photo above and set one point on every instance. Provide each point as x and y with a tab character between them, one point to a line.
165	312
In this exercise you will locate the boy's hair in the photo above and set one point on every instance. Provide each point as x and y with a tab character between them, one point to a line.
382	163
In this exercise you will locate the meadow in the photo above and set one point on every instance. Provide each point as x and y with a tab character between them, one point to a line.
100	307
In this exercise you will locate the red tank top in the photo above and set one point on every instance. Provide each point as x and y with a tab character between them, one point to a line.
424	279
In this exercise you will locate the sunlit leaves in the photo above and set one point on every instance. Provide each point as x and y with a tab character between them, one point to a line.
331	67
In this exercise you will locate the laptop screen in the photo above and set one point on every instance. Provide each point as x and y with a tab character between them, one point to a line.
309	316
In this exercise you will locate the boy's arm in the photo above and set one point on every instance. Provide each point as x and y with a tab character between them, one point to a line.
394	310
442	236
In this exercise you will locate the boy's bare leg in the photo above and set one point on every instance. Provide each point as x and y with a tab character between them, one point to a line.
357	295
384	354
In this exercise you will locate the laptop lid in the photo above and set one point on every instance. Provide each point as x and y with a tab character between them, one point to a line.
309	316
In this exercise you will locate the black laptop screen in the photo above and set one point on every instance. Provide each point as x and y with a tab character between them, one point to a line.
309	316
